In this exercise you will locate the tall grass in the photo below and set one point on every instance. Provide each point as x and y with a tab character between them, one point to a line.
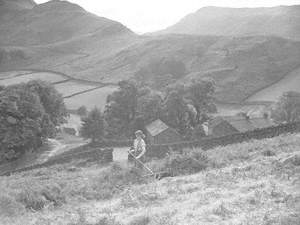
188	162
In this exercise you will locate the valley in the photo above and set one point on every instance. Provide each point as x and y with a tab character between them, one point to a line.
97	49
53	172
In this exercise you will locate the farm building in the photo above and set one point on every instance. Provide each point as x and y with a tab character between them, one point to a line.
159	133
226	125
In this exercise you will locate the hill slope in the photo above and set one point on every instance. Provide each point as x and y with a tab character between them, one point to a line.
240	66
16	5
249	183
63	37
282	21
55	21
56	33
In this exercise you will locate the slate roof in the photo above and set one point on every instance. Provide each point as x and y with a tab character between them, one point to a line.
156	127
242	124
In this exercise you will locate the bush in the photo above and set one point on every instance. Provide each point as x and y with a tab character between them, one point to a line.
107	220
36	197
188	162
114	180
140	220
31	199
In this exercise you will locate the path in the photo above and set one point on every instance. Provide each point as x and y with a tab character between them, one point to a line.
52	148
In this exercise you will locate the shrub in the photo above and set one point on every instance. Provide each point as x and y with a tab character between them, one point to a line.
268	152
107	220
36	197
53	194
140	220
188	162
31	199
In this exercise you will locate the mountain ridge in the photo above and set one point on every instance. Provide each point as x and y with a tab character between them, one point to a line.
63	37
282	21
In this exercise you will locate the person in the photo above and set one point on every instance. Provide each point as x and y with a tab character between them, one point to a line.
139	147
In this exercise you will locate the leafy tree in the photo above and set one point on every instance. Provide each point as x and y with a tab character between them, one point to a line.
82	111
51	100
200	94
24	122
175	111
149	106
287	109
120	109
93	125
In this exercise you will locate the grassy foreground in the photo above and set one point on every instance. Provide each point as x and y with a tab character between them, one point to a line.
250	183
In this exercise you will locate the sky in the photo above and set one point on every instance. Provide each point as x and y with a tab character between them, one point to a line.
143	16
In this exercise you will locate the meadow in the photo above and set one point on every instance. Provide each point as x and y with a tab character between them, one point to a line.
19	77
291	82
91	99
249	183
71	87
9	74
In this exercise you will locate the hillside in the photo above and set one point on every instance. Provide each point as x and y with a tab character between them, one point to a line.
282	21
63	37
53	22
8	6
240	66
56	33
248	183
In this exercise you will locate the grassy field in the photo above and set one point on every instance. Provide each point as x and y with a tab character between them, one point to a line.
249	183
71	87
10	74
91	99
16	77
291	82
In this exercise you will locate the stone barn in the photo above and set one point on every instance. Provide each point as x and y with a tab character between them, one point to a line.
158	132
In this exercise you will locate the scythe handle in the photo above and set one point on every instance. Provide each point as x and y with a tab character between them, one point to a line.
140	162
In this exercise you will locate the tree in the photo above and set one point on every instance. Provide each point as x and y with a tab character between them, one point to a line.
51	100
287	109
93	125
175	111
200	94
120	109
24	122
149	106
82	111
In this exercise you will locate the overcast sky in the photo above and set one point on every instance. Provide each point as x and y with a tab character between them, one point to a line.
150	15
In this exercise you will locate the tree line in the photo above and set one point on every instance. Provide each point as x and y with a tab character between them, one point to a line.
132	106
183	107
29	114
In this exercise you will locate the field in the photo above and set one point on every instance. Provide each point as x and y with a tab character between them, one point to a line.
71	87
291	82
16	77
6	75
233	109
250	183
91	99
